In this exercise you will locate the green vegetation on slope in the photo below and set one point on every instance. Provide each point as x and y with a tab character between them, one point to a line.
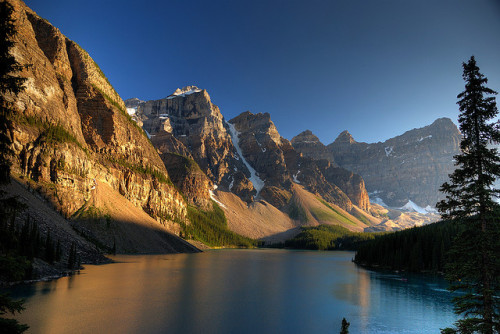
50	132
328	237
330	215
416	249
92	213
57	133
296	211
188	164
210	227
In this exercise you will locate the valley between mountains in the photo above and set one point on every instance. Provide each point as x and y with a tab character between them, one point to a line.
174	175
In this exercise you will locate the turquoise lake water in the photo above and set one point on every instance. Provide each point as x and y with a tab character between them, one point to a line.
236	291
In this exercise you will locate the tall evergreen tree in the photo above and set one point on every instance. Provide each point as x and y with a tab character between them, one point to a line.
9	84
72	256
474	267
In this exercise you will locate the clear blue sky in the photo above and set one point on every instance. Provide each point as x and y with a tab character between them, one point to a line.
376	68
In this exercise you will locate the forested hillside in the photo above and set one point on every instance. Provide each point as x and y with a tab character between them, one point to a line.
417	249
327	237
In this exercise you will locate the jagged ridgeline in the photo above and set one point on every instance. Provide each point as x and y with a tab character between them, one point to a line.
261	176
132	176
264	186
405	170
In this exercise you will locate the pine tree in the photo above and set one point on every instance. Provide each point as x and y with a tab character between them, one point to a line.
9	84
474	267
58	251
71	257
7	305
113	250
49	249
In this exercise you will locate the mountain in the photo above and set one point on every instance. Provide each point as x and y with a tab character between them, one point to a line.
310	146
245	156
187	123
77	146
279	165
405	171
135	175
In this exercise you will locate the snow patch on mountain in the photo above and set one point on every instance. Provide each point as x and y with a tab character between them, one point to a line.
388	150
184	92
377	200
412	207
422	138
257	182
212	196
295	177
430	209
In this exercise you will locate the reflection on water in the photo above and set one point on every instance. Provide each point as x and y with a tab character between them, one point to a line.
236	291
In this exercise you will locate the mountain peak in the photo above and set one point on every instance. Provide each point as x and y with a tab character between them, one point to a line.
443	120
444	124
133	102
186	90
306	133
345	137
305	137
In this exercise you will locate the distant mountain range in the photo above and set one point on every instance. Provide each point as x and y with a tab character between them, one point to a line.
138	175
406	169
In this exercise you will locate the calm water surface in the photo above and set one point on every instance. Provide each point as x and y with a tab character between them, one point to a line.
236	291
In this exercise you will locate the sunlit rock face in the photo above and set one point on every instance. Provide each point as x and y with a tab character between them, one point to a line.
190	179
72	129
189	124
409	167
261	145
193	120
279	165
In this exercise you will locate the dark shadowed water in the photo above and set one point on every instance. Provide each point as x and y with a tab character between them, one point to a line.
236	291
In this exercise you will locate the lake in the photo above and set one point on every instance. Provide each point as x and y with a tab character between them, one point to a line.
236	291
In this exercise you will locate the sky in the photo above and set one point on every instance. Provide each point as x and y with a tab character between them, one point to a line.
374	68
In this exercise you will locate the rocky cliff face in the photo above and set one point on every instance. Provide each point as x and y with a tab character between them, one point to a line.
104	163
310	146
321	159
189	124
190	179
261	144
278	164
246	156
72	131
193	120
410	167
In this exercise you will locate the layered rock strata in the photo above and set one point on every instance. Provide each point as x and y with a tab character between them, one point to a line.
188	123
71	129
409	167
278	165
310	146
